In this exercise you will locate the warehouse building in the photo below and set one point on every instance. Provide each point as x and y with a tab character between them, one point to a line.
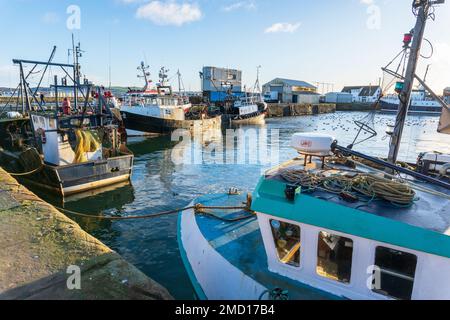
282	90
338	97
363	94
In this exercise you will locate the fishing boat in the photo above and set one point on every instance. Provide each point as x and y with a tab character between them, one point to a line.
421	103
158	110
222	88
248	109
332	223
61	149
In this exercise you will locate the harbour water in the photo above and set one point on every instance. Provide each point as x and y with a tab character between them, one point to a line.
159	184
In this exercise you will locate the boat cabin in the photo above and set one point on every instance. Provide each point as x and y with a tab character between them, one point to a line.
356	248
57	135
155	104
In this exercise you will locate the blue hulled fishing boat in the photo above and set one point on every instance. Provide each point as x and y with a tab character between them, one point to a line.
331	223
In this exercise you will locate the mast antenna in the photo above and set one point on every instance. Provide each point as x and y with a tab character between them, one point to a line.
145	74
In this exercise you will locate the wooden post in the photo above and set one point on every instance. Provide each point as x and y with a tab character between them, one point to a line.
405	95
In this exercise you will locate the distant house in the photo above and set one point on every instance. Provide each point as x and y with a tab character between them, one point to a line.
363	94
290	91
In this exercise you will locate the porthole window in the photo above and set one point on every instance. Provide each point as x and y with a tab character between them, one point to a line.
287	242
396	271
334	257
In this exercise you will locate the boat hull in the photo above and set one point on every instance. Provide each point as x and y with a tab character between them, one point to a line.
77	178
254	119
202	263
148	124
413	109
227	260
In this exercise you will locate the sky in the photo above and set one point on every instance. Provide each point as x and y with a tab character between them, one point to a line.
340	42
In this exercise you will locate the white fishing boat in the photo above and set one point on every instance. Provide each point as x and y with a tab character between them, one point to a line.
421	103
158	110
250	109
332	223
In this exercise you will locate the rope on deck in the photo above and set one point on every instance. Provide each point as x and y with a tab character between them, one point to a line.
367	185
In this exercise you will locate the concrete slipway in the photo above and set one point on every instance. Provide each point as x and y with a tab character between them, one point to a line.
38	243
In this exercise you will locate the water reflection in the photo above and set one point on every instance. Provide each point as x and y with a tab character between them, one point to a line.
159	184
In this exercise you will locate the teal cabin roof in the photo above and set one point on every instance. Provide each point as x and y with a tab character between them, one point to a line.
423	227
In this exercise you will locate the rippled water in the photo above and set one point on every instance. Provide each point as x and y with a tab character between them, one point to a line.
158	185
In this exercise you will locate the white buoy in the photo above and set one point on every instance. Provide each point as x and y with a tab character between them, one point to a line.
312	143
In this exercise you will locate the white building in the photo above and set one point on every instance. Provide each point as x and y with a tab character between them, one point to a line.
363	94
290	91
338	97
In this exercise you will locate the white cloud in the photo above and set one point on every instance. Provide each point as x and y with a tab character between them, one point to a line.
367	2
283	27
169	12
247	5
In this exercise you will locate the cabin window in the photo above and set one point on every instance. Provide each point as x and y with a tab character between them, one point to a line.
334	257
287	242
396	273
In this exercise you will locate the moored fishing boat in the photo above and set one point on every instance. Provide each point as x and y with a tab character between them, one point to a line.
62	149
222	89
250	109
421	103
159	110
345	226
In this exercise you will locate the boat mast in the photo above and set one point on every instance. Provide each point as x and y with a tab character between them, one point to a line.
257	87
76	50
423	7
163	76
179	82
145	74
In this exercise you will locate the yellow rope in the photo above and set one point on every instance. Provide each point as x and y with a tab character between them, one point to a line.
366	184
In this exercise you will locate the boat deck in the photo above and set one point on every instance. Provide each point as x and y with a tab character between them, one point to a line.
429	211
241	244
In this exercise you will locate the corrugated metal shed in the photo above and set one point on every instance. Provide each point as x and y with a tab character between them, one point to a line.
338	97
218	79
291	83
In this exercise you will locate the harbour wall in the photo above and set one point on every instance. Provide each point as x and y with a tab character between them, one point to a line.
288	110
356	107
41	250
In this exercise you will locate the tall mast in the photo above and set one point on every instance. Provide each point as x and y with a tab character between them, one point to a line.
179	81
257	88
163	76
76	50
405	95
145	74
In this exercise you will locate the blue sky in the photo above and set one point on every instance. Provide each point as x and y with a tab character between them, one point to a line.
344	42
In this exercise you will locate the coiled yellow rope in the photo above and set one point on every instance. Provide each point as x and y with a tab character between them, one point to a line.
364	184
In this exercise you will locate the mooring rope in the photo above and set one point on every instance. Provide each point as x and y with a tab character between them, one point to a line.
199	209
26	173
